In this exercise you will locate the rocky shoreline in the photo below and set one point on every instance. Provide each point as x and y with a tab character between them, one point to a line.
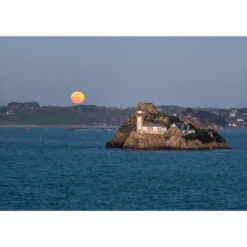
128	137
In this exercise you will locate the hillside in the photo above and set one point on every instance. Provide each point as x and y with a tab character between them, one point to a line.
206	119
32	113
210	118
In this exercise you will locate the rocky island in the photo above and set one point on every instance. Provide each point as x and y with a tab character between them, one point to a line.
147	128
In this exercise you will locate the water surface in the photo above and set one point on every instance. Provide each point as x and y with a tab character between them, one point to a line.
54	169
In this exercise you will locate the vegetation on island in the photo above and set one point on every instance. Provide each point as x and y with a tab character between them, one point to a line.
162	119
205	136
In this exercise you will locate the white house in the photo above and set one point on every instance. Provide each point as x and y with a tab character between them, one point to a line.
186	129
234	113
232	125
240	120
154	129
148	128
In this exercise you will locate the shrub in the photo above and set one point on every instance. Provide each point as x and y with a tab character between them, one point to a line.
190	137
174	119
217	136
204	136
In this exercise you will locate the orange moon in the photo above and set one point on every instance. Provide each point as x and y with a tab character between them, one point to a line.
77	97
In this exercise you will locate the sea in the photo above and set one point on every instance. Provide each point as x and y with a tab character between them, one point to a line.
50	168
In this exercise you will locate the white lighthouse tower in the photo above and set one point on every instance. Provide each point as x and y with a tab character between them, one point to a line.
139	121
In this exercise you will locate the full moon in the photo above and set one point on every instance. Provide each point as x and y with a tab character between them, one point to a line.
77	97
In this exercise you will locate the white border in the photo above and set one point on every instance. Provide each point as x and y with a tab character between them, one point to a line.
128	17
121	18
123	229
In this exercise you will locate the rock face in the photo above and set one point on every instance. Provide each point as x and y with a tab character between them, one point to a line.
127	137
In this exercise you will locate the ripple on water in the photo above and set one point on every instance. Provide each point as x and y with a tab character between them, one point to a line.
55	169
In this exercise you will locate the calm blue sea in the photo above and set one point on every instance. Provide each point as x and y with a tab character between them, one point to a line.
54	169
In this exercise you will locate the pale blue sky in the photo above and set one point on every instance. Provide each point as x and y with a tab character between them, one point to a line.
121	71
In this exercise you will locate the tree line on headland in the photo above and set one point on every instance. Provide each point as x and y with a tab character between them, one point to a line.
32	113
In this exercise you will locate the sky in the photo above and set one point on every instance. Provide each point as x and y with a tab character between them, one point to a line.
122	71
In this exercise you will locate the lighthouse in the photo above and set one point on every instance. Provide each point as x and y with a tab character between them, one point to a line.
139	121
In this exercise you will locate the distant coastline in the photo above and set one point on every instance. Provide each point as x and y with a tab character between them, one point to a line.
32	114
58	125
87	126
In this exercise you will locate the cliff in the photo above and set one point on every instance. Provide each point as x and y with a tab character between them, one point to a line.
127	137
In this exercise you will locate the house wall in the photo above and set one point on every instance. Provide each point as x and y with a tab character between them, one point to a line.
148	129
162	130
153	129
